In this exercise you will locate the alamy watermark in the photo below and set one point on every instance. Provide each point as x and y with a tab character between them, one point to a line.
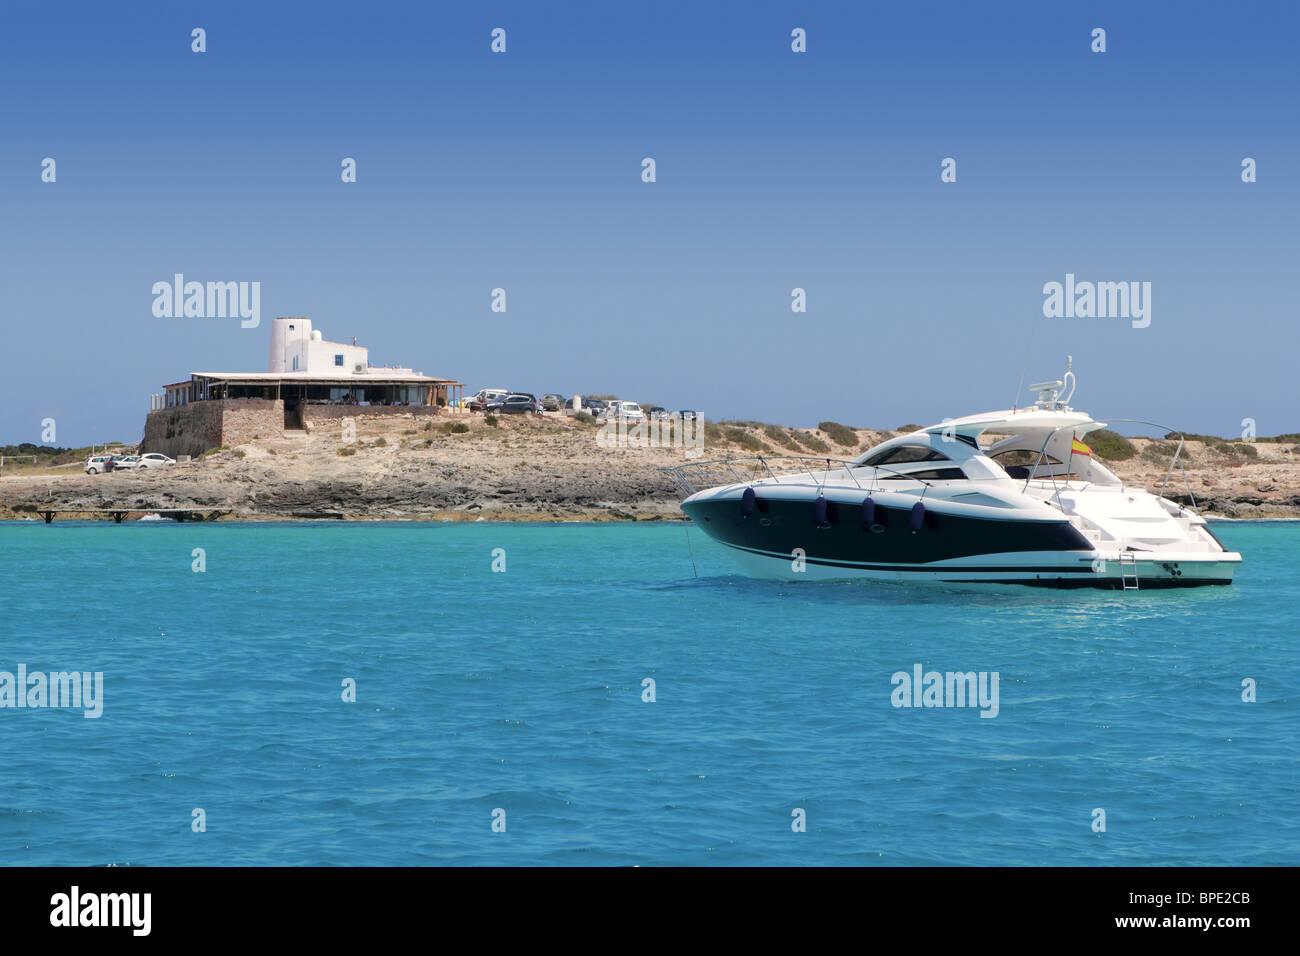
1098	300
82	689
213	300
671	432
951	689
127	910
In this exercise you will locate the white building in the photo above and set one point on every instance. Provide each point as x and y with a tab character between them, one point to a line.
306	370
297	347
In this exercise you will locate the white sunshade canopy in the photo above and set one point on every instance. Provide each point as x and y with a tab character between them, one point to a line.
1013	421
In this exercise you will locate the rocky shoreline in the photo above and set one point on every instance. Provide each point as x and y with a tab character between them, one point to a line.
545	469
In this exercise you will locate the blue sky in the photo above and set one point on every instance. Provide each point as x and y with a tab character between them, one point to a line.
775	170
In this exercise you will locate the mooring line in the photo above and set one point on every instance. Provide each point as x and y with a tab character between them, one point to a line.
687	526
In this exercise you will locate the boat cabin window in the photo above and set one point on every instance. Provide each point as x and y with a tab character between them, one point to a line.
1019	462
1022	456
904	454
929	474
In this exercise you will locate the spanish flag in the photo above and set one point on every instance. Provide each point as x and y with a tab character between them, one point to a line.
1079	448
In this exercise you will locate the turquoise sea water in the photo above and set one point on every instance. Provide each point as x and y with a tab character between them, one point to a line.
522	691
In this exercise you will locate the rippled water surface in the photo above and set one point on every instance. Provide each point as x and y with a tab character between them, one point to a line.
523	691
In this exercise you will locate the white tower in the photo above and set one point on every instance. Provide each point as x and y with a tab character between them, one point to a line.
287	337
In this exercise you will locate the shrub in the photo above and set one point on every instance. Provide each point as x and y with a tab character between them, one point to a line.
270	451
347	451
713	433
490	420
1110	445
903	429
1163	452
240	453
381	443
428	426
256	437
779	436
840	434
813	443
1245	450
453	428
738	436
585	417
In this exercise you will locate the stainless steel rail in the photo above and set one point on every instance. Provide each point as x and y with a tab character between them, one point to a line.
705	474
1182	440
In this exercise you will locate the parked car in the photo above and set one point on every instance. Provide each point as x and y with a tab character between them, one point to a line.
98	464
657	413
553	402
516	403
485	397
126	462
627	411
154	460
688	415
595	406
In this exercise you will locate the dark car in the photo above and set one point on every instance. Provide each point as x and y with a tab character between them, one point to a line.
594	406
519	403
657	413
687	415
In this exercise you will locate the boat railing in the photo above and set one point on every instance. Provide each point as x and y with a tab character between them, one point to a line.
695	476
1175	460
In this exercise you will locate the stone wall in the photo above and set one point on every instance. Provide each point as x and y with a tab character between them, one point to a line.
194	428
244	419
318	416
186	430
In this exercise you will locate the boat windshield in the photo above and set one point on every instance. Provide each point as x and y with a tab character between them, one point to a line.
904	454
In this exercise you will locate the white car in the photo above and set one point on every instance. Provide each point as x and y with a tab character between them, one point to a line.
97	464
627	411
154	460
126	463
485	397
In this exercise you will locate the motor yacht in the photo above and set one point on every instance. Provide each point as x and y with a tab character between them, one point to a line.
1010	497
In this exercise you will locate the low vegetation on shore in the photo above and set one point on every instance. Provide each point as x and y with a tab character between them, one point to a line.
467	467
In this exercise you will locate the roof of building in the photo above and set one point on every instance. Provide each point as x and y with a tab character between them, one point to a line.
372	376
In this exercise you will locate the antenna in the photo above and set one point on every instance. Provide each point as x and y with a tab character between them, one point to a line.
1015	404
1069	378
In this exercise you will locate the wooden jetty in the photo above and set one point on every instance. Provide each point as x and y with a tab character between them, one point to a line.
118	514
